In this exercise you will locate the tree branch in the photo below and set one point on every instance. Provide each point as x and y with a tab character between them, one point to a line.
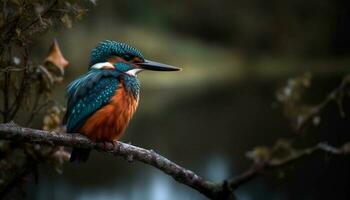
19	97
213	190
335	95
11	131
263	165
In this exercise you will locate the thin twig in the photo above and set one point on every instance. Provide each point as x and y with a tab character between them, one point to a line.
15	69
259	167
23	88
336	95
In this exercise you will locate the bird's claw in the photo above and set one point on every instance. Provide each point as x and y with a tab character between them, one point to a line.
114	143
109	145
103	146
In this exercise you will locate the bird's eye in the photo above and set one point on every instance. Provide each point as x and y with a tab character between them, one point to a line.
128	57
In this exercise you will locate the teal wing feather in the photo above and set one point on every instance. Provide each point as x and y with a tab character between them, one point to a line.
88	94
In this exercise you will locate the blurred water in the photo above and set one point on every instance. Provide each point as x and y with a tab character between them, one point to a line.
155	186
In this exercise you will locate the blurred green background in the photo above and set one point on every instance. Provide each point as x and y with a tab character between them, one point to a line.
234	55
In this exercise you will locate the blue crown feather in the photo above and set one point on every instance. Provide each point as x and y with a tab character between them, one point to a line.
106	49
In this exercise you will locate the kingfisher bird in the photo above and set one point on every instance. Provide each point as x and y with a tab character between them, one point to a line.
102	101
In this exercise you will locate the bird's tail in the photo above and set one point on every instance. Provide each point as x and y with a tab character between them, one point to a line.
79	154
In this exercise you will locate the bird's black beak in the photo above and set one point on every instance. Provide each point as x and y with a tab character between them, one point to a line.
156	66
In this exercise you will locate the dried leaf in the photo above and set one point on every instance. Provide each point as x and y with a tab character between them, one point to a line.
259	154
283	144
282	149
52	119
56	58
58	158
66	21
80	12
290	97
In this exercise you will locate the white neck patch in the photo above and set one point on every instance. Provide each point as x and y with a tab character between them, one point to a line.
133	72
102	65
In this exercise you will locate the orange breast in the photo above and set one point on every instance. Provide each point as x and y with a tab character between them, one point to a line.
110	122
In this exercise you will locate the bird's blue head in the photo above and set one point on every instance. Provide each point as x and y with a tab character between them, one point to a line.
123	58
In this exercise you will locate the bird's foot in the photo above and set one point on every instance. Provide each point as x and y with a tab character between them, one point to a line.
106	146
103	146
114	143
109	145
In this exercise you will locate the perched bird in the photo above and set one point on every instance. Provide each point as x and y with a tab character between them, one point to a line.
102	101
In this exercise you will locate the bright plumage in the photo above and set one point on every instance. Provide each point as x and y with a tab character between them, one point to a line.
102	101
